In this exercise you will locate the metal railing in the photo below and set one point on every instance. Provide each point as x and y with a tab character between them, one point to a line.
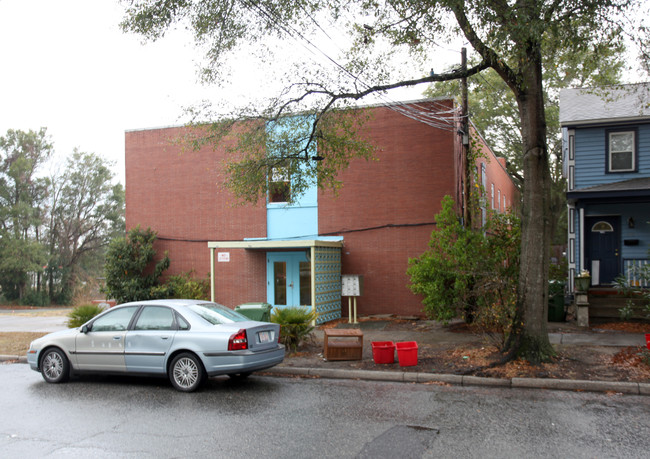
637	271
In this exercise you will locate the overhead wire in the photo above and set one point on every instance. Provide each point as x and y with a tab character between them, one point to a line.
412	111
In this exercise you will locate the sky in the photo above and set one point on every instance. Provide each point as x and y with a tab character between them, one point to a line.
68	67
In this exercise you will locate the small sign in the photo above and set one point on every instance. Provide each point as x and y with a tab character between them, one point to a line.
223	257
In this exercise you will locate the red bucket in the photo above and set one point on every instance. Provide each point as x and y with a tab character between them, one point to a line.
383	351
647	340
407	353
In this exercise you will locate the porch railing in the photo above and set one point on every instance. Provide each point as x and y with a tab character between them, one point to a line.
634	268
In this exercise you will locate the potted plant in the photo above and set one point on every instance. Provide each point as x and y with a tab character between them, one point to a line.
583	281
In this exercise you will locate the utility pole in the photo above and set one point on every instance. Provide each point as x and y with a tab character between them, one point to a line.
464	123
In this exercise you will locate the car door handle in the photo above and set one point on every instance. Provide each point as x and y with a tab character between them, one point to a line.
116	338
164	337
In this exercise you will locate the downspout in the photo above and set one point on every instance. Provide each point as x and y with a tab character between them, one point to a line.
212	274
312	262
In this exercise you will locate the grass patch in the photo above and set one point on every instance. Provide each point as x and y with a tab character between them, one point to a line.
17	343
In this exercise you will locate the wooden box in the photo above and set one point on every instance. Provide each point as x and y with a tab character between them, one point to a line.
346	345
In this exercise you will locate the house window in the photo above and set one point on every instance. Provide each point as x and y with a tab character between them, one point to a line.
279	185
621	151
602	227
499	200
492	195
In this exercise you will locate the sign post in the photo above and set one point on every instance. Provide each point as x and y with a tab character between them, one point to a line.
352	287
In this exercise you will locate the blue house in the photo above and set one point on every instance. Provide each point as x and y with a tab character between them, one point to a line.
606	139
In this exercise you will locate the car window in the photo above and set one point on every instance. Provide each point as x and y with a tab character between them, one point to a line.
155	318
217	314
115	320
182	323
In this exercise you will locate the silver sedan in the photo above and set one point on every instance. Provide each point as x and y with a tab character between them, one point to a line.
185	340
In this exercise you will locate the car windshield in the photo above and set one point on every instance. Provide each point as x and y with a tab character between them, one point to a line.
217	314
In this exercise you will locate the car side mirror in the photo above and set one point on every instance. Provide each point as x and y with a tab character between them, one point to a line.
86	328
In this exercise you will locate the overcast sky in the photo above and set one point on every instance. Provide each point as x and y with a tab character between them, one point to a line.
66	66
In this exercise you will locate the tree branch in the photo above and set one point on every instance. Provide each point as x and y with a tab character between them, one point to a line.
488	54
335	97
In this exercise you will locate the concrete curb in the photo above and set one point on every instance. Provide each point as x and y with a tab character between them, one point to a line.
631	388
12	358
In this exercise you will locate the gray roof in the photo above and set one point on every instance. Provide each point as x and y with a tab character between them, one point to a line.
633	190
625	185
602	105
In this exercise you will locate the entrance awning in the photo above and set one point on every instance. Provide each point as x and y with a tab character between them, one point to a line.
325	265
269	244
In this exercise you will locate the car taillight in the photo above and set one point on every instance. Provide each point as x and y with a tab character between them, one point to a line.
238	341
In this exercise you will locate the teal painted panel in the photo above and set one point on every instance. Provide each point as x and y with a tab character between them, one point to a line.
328	283
292	282
291	222
299	219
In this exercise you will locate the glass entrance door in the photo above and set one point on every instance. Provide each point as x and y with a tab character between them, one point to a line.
288	276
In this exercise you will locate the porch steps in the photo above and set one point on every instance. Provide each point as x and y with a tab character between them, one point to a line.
605	303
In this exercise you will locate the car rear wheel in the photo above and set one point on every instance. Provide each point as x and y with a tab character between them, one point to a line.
55	367
186	372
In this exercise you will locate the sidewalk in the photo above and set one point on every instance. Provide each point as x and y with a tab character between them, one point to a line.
563	334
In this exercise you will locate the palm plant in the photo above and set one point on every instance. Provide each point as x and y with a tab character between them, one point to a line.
295	325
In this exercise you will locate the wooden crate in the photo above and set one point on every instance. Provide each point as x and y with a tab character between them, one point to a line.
347	345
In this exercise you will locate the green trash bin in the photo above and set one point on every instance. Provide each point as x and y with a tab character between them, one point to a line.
255	311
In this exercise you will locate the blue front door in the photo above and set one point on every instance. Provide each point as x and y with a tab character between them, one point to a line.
602	237
288	279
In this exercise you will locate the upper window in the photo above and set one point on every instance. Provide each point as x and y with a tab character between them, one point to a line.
279	185
621	155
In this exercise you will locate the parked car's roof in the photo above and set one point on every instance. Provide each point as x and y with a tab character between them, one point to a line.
171	302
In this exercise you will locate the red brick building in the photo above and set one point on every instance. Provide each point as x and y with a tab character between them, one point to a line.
382	216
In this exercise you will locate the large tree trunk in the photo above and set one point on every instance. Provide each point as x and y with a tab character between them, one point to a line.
529	337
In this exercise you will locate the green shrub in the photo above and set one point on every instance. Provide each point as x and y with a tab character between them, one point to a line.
295	325
82	314
470	273
131	272
35	298
186	286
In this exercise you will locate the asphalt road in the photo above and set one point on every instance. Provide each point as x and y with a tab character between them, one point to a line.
304	418
24	321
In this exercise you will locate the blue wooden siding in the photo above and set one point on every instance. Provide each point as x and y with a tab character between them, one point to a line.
590	151
641	231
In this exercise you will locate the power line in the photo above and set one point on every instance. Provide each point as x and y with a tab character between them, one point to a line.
422	114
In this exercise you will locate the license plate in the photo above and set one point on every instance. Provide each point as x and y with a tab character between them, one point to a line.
264	336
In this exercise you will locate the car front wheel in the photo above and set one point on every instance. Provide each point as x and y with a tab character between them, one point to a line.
186	372
55	367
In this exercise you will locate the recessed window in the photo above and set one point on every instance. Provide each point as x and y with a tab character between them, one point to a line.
279	185
622	151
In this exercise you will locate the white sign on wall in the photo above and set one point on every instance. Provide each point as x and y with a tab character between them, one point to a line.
223	257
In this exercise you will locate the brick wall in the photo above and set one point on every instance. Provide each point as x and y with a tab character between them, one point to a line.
179	193
415	168
385	209
498	177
